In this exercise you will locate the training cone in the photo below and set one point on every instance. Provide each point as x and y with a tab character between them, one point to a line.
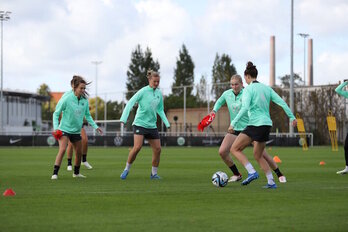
322	163
276	159
9	192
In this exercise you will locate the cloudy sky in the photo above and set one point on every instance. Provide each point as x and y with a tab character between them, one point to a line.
48	41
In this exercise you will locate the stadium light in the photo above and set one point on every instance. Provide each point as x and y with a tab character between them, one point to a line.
304	36
96	63
291	129
4	16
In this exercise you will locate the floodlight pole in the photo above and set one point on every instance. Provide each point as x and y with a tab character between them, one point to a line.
291	129
96	63
4	16
304	36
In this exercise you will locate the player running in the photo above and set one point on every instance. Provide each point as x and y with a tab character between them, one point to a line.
150	103
74	107
84	138
255	101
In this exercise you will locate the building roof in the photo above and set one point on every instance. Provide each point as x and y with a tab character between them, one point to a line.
56	96
11	93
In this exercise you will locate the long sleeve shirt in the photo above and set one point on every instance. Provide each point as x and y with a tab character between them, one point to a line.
340	90
256	100
150	103
234	104
73	111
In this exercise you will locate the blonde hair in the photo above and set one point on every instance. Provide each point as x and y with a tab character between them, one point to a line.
151	73
238	77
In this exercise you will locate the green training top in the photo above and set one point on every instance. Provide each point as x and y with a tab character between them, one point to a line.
234	103
255	101
340	90
74	110
150	103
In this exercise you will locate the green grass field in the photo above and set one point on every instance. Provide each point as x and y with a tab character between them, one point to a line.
314	199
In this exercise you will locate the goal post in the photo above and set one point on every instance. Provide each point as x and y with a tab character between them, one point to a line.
111	126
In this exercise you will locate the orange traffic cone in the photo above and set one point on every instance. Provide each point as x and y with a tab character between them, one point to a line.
9	192
276	159
322	163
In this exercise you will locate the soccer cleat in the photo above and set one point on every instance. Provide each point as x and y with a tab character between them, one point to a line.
235	178
155	177
342	172
87	165
282	179
270	186
78	176
69	168
54	177
124	174
250	178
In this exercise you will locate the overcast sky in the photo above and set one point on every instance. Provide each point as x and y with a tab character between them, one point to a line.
48	41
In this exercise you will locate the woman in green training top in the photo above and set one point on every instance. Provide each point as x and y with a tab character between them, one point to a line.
344	93
150	103
233	99
255	101
74	107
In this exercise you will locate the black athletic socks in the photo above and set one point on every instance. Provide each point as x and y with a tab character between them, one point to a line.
56	169
234	169
84	157
76	170
69	162
278	172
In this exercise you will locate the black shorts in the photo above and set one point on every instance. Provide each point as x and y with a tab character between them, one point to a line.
72	137
236	133
148	133
258	133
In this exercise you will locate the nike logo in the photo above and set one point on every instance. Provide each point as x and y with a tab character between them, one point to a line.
12	141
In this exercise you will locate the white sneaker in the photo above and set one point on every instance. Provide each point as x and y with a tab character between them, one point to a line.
235	178
78	176
54	177
69	168
87	165
342	172
282	179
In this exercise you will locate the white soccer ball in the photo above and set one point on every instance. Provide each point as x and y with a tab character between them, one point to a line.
219	179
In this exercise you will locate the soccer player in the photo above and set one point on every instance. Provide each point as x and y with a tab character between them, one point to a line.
74	107
84	138
344	93
150	103
233	99
255	101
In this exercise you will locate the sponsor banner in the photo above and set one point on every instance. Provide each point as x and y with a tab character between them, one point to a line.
117	141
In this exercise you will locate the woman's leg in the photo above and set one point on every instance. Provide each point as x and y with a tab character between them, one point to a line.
78	153
156	155
138	143
69	155
259	148
63	141
84	140
241	142
224	152
274	166
345	171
